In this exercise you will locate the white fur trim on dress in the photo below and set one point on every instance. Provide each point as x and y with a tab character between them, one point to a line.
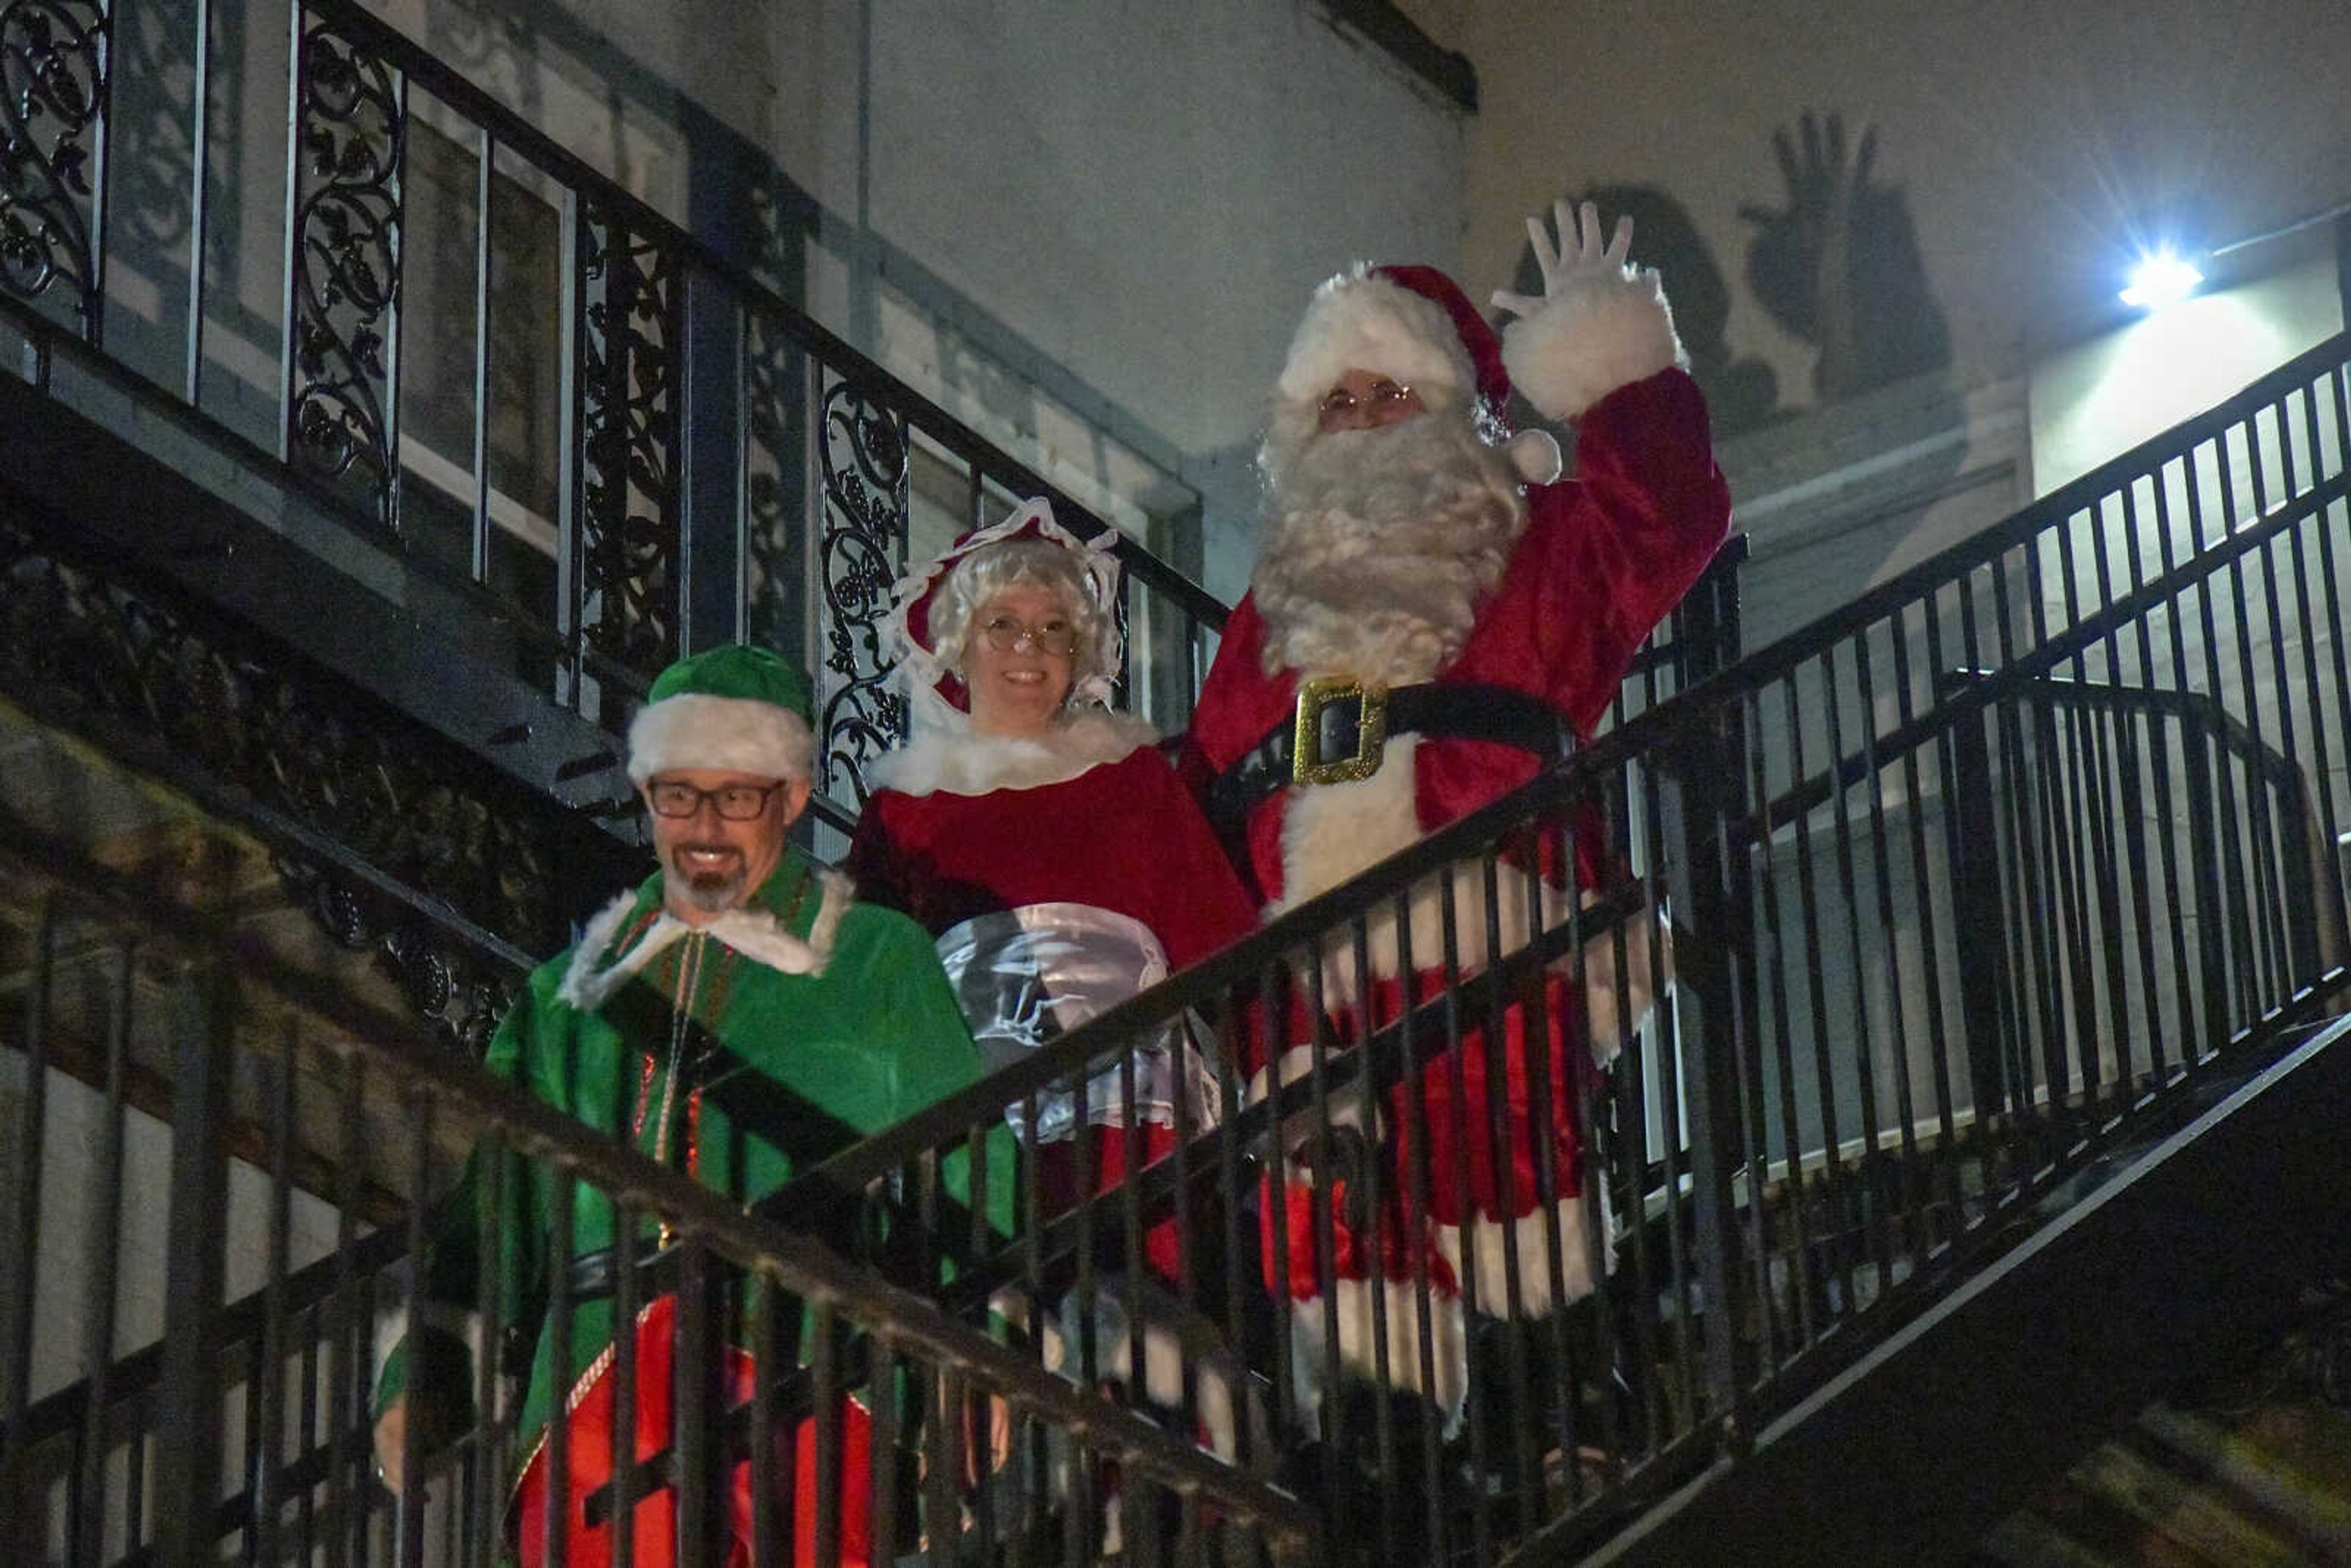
755	933
954	761
1443	1384
1531	1234
1584	343
1360	321
740	735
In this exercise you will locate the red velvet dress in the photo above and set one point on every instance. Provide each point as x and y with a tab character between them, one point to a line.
1122	835
1604	557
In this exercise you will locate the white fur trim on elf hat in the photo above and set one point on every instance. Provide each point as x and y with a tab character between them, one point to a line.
1360	321
738	735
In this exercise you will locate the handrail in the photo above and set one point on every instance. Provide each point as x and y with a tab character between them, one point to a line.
761	1247
1777	659
1802	780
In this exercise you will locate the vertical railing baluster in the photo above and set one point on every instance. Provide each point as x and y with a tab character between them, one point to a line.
1834	1178
188	1413
349	1463
2318	875
571	473
562	1334
21	1258
199	201
408	1519
478	431
100	1285
298	87
2250	917
1419	1220
1713	1084
1774	954
774	1456
824	1346
266	1446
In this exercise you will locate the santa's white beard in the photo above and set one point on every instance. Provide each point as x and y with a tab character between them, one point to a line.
1379	543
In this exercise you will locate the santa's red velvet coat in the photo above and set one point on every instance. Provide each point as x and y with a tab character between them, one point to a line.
1604	557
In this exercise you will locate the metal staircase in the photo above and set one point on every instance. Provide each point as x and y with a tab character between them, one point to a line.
2004	909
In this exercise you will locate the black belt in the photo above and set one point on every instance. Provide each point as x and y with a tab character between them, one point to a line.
1338	731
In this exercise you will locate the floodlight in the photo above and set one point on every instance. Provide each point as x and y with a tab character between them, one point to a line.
2160	280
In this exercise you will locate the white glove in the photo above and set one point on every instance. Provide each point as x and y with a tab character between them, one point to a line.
1601	322
1566	271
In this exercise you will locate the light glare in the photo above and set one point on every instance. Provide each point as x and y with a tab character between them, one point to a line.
2160	280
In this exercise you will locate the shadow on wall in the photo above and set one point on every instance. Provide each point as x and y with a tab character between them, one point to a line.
1739	393
1835	264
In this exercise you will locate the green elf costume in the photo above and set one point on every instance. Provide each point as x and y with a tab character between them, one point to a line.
741	1049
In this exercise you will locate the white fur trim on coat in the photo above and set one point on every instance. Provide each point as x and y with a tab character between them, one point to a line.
958	762
1443	1385
1358	322
695	729
754	932
1531	1233
1584	343
1332	833
1294	1066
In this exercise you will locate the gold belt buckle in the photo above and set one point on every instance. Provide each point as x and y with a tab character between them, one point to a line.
1307	764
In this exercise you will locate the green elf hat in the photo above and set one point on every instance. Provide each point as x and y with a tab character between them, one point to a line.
742	709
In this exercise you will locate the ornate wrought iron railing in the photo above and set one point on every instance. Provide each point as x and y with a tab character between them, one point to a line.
369	279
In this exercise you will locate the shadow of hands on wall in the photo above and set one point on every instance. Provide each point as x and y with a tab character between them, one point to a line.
1837	264
1739	393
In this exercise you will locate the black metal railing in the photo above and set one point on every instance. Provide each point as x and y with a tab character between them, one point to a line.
246	1426
1963	886
1941	897
1959	885
366	279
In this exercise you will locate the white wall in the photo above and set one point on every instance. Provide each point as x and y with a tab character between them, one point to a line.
2099	399
1088	228
2033	142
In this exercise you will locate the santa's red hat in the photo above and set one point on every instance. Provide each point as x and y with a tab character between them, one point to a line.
1414	325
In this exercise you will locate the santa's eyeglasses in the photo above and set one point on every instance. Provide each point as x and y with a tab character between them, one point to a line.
1057	639
735	802
1381	393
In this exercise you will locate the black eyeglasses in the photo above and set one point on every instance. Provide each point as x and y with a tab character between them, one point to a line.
1005	633
735	802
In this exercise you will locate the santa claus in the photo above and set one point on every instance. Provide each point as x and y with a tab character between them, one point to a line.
1435	614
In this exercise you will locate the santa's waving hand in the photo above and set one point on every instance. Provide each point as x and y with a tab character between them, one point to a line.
1414	545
